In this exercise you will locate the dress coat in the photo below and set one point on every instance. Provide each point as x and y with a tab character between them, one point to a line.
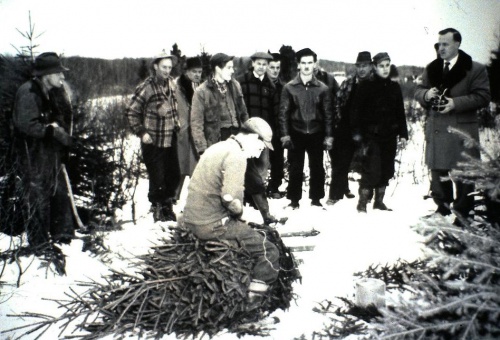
186	149
467	83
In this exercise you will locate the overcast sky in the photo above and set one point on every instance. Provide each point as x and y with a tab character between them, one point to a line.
335	29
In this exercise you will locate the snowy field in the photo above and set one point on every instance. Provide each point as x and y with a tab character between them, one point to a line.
348	242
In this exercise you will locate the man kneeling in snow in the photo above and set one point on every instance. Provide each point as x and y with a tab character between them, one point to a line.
215	195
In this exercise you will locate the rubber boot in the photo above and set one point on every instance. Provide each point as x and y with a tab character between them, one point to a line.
379	199
262	204
363	199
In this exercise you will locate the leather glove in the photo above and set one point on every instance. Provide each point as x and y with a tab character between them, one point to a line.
286	142
328	143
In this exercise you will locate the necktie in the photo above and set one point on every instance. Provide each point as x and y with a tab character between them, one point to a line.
446	69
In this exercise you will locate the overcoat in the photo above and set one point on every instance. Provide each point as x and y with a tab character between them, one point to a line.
39	155
186	150
467	83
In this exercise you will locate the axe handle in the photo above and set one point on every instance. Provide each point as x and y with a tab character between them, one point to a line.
71	198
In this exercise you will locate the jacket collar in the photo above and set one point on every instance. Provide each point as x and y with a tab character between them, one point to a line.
297	81
456	74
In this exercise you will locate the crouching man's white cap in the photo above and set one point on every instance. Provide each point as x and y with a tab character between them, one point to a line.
260	127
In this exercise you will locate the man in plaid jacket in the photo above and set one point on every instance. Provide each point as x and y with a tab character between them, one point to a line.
152	115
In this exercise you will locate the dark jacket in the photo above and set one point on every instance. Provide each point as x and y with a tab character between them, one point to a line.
467	83
205	112
305	108
378	110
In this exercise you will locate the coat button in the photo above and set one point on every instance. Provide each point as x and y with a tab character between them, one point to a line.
437	131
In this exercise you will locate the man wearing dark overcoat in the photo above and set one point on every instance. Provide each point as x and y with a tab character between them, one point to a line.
463	86
41	138
186	84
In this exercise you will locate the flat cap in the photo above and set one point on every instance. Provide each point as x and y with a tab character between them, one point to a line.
261	55
260	127
381	56
219	59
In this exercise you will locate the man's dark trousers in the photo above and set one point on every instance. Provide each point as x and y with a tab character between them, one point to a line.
340	156
162	165
313	145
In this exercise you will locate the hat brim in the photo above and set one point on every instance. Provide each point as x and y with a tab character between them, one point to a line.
171	57
52	70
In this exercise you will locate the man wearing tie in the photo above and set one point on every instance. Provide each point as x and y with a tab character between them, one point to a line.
453	88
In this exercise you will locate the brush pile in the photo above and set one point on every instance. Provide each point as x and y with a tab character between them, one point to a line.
183	286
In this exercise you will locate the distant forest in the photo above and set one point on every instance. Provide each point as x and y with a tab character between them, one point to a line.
94	77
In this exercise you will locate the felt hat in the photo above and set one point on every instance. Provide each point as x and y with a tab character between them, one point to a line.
194	62
364	57
48	63
164	55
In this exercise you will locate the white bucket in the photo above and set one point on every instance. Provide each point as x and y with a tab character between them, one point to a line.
370	292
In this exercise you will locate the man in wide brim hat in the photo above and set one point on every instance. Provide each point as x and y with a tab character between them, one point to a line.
48	63
41	138
164	55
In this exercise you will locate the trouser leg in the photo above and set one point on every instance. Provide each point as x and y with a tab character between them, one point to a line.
277	160
464	202
340	156
296	170
441	191
316	169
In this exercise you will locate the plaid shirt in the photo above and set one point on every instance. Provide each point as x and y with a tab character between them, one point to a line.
153	110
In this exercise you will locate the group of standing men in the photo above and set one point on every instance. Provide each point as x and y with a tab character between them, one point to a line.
255	118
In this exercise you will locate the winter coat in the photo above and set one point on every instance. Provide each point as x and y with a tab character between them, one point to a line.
306	109
467	83
186	149
377	111
205	112
40	148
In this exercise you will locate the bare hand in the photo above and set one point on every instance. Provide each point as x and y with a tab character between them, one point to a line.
432	93
448	106
146	139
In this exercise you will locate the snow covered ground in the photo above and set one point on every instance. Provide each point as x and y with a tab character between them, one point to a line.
348	242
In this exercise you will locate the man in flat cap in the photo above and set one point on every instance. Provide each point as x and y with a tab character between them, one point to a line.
152	115
186	84
214	203
218	108
258	93
41	138
344	147
306	126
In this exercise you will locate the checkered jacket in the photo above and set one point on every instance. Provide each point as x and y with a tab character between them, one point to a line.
153	109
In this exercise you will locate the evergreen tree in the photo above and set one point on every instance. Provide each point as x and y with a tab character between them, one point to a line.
288	63
179	67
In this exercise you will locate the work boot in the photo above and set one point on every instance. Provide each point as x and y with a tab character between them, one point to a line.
363	199
316	203
379	199
349	194
157	212
332	201
294	204
168	211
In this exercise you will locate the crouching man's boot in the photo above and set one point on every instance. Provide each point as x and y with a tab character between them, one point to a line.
364	194
256	294
379	199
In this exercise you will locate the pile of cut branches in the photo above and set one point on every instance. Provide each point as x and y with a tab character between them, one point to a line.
184	286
